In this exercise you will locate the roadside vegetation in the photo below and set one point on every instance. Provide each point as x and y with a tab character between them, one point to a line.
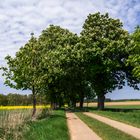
12	121
18	125
105	131
54	127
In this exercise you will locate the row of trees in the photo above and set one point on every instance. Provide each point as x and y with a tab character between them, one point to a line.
68	68
19	99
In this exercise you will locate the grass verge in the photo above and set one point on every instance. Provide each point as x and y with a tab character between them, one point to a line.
51	128
123	106
105	131
129	116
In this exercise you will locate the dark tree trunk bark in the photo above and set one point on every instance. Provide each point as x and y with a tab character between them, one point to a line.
34	102
81	100
87	103
68	103
61	102
74	103
101	100
60	105
52	105
53	102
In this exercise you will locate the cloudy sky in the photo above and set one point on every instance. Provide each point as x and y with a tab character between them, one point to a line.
18	18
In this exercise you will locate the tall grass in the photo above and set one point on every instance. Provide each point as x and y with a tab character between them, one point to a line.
12	121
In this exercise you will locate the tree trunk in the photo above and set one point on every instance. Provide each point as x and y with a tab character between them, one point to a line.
52	105
74	103
81	100
87	103
34	102
60	102
52	99
53	102
101	100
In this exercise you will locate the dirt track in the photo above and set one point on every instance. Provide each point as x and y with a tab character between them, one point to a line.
131	130
116	103
79	130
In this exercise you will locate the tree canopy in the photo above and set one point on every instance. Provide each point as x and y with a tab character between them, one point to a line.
134	57
108	44
68	68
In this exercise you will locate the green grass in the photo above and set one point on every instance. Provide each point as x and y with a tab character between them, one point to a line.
105	131
122	114
51	128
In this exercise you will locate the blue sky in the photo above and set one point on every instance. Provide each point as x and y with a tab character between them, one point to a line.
18	18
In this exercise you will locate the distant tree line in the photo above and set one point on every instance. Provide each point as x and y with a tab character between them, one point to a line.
13	99
67	67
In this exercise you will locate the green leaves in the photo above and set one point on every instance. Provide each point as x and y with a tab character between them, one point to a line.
106	42
134	57
59	62
23	68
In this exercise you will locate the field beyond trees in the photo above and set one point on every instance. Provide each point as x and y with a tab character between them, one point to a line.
18	124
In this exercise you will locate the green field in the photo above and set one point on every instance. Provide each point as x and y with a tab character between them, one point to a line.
124	106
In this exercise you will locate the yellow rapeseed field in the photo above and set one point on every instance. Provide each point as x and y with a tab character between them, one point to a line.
22	107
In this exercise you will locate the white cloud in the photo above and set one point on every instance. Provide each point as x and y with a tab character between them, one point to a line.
18	18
